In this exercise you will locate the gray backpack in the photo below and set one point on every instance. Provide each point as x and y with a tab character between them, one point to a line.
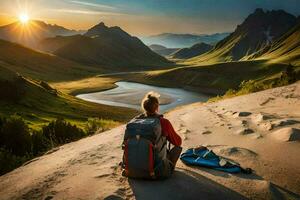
145	149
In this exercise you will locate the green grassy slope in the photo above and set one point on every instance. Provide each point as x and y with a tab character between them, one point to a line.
256	32
285	50
215	78
38	103
39	65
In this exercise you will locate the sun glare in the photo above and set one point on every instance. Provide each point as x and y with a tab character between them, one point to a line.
24	18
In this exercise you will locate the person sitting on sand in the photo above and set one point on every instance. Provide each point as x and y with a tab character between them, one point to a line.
150	105
169	157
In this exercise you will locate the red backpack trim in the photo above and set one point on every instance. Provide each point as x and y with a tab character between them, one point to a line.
126	158
151	160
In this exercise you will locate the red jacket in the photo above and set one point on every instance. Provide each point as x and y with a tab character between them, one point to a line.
169	132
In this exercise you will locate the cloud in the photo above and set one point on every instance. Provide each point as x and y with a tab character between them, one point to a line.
87	12
93	5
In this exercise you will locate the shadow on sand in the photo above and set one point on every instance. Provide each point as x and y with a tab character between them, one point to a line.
252	176
184	184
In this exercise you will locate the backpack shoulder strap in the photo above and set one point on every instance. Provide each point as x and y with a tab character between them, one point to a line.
140	116
150	116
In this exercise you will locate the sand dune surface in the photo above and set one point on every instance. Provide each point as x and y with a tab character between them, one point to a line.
259	130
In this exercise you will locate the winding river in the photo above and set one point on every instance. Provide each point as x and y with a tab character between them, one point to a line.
130	94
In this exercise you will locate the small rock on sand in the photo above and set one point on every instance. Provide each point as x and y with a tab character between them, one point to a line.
287	134
244	131
242	114
206	132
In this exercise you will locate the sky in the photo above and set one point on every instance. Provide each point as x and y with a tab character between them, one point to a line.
144	17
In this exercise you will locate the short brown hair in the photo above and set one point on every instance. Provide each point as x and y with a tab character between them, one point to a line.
150	103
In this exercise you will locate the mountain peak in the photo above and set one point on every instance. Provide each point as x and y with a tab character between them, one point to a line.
101	25
103	30
260	20
259	30
259	11
97	29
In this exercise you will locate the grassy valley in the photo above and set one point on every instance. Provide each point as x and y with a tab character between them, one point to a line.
39	104
214	79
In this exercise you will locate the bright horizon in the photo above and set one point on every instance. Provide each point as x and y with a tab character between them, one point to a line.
149	17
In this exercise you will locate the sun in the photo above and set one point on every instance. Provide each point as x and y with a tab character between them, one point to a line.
24	18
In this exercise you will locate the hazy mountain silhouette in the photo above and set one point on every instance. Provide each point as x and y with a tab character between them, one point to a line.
104	46
193	51
162	50
172	40
31	33
52	44
157	47
40	65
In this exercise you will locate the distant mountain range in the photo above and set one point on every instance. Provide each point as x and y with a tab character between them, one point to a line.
31	34
195	50
259	30
162	50
262	35
104	46
172	40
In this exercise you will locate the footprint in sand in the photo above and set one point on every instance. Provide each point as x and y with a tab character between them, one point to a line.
183	130
260	117
266	126
242	123
267	101
102	176
206	132
284	122
242	114
286	134
236	152
49	197
244	131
